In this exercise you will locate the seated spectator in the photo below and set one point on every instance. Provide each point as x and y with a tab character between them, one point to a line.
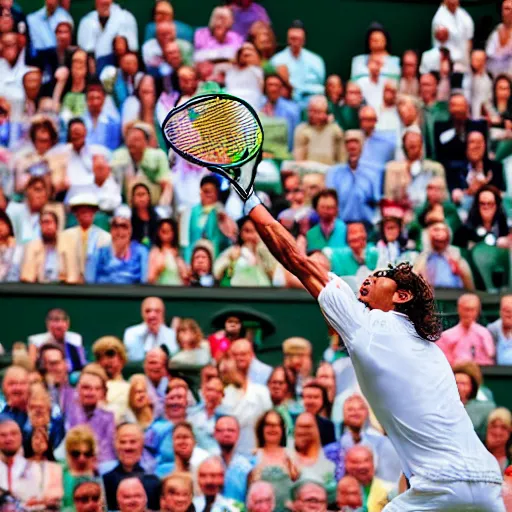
468	340
260	497
131	495
248	263
201	265
194	349
500	330
315	400
129	443
392	243
319	140
479	85
242	350
124	261
102	121
498	435
80	243
91	390
294	194
87	497
57	325
349	495
95	37
409	83
11	253
246	13
297	359
335	94
330	231
143	408
73	102
502	99
307	492
308	456
465	178
441	263
15	388
359	463
272	463
217	41
206	220
220	341
377	44
406	181
348	114
144	215
486	222
354	183
81	462
151	333
110	353
177	493
357	259
244	400
379	147
44	260
372	85
387	110
498	47
307	69
157	380
453	29
163	11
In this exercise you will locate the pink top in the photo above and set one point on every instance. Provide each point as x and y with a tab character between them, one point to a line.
475	344
208	48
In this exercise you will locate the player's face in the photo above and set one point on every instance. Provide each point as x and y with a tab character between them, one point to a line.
378	292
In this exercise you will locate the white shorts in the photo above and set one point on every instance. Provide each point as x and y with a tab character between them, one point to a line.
448	497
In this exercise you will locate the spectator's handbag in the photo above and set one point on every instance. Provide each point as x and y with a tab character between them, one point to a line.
220	132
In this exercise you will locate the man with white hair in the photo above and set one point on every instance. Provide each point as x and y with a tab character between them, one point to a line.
131	496
260	497
319	139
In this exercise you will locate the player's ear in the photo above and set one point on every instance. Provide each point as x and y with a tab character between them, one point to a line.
402	296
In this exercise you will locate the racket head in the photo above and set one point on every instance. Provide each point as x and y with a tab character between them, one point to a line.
214	130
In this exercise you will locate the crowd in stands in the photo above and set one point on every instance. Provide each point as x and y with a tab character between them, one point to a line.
408	158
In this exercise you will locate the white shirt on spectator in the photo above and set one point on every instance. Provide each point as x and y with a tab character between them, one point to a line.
108	194
11	85
152	54
388	119
25	479
92	37
138	340
38	340
373	92
25	223
461	30
499	57
42	27
246	83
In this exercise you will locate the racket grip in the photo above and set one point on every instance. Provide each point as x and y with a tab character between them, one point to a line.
251	203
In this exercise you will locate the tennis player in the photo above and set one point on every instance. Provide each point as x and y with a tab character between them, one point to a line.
389	331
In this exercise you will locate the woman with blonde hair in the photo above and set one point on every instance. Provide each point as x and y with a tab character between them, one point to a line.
140	408
194	349
498	437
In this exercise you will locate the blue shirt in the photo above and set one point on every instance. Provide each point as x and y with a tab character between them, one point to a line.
440	273
235	479
107	130
357	190
108	269
289	111
503	344
379	149
42	27
158	441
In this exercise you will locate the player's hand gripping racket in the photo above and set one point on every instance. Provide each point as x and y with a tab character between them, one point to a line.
220	132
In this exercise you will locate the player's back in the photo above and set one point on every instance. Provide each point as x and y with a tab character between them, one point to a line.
411	389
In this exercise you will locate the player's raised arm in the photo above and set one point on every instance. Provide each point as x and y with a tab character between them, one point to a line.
284	248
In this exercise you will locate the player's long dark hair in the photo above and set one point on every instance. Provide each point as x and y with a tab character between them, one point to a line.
421	309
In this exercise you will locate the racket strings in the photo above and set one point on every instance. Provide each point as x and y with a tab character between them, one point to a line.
217	131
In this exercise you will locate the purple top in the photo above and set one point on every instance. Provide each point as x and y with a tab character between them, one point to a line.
102	424
208	48
244	18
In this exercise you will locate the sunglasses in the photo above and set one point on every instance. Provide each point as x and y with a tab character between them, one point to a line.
109	353
87	498
75	454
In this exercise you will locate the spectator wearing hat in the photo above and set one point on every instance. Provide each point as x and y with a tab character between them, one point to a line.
110	353
137	162
468	340
82	241
151	333
501	331
441	263
330	231
123	261
307	69
354	182
297	354
102	121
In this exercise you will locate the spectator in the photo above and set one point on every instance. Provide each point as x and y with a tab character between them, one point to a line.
282	394
44	260
242	351
441	263
177	493
57	325
87	497
80	243
132	496
166	267
348	116
502	99
334	92
409	83
308	456
500	330
244	400
392	244
11	253
354	183
144	215
387	112
315	399
319	140
359	464
201	265
358	259
220	341
151	333
12	68
307	70
91	390
260	497
142	408
211	482
98	29
349	494
406	181
330	231
102	121
157	380
74	102
298	210
372	86
194	349
163	11
498	47
498	435
15	387
246	13
297	354
129	443
311	495
479	85
124	261
468	340
110	353
379	147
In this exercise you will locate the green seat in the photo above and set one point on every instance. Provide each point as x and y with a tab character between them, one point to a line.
492	264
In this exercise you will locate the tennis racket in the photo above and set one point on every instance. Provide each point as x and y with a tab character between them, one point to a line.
220	132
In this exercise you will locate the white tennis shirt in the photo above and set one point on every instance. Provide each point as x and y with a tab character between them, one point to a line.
411	388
